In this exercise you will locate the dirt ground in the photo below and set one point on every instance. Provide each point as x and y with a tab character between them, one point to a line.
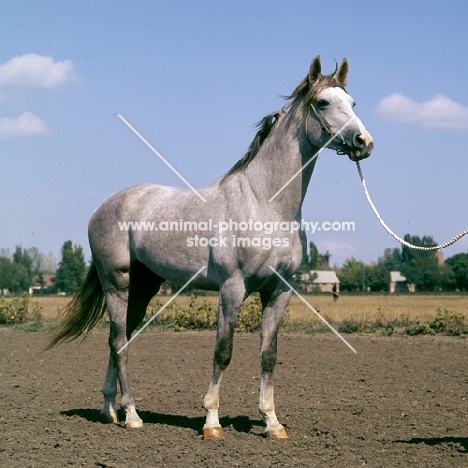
399	402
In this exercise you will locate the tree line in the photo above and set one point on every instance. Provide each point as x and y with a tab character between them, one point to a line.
419	267
29	267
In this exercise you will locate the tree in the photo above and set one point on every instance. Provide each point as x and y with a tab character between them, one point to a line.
459	265
390	260
20	279
445	278
21	258
376	277
314	257
24	268
311	261
5	274
377	274
420	266
72	268
16	272
352	275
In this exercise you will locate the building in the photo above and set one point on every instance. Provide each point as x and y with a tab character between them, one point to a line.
40	284
323	281
398	283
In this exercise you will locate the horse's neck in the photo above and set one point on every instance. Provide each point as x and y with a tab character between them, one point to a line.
281	156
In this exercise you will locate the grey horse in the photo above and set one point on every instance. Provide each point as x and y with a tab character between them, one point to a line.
240	234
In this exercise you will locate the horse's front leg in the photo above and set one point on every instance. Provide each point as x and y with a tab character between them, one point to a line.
230	301
274	306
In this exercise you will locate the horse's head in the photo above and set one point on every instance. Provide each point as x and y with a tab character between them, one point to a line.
330	119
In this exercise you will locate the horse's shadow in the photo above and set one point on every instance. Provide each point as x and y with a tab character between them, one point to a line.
238	423
460	443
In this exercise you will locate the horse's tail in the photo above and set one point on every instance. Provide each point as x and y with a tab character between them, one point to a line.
83	312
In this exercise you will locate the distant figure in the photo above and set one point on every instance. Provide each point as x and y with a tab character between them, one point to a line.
335	294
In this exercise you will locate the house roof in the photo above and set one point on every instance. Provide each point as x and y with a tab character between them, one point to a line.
396	277
324	276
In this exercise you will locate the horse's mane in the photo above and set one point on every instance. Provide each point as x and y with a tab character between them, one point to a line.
264	127
267	123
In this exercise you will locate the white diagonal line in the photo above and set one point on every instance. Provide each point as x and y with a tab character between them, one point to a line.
313	310
160	157
161	309
312	158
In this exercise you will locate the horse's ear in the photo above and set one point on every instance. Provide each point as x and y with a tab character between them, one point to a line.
315	69
342	73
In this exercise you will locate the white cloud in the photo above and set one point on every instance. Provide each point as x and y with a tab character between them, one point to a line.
20	76
438	112
27	124
35	71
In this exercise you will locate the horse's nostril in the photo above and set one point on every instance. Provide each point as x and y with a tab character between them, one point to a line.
359	140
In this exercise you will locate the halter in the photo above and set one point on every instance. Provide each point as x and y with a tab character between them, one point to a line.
324	126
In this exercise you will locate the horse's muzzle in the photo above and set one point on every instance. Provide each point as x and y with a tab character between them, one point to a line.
356	154
362	147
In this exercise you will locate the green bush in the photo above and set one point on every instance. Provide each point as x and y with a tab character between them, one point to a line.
349	326
166	318
379	327
449	323
386	330
383	327
250	315
202	315
446	322
420	328
18	310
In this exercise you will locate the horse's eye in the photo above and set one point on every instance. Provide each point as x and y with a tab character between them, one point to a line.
322	103
354	104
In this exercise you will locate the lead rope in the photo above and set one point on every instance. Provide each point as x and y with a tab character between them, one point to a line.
397	238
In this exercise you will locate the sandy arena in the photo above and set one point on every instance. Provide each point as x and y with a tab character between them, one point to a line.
399	402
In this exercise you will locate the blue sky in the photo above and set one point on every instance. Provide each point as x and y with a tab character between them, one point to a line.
194	76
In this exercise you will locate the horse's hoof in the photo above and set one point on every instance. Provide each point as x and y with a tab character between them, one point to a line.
279	433
134	424
109	418
213	433
132	420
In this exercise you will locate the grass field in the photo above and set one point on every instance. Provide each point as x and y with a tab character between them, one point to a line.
385	307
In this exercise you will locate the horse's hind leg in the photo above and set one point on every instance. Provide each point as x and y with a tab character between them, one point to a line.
127	308
109	390
274	306
117	300
144	284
